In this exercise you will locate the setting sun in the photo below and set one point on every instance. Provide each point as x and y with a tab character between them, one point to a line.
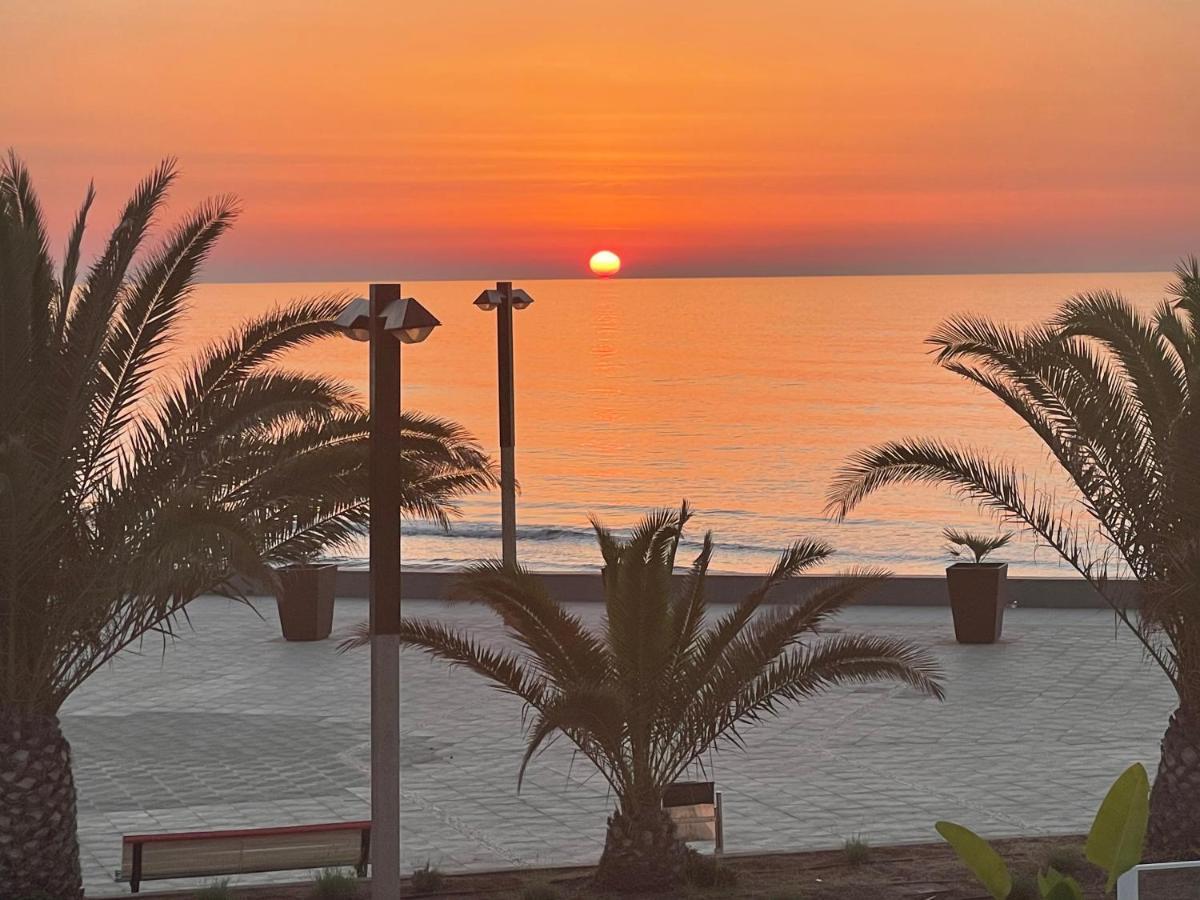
605	264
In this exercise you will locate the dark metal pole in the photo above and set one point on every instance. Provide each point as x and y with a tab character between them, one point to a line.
508	476
385	497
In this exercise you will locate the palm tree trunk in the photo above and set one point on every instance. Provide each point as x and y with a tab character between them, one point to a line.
39	851
1174	831
641	851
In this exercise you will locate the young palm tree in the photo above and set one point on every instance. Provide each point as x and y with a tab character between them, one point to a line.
125	494
657	686
1113	395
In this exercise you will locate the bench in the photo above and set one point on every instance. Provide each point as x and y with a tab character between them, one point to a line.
195	854
695	808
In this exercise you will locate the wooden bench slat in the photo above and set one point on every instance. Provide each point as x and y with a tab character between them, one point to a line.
211	856
197	854
697	822
168	836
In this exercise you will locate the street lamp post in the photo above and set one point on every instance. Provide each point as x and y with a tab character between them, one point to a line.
387	321
504	299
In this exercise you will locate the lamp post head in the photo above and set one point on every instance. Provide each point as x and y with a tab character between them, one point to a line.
489	300
405	319
409	321
355	319
492	298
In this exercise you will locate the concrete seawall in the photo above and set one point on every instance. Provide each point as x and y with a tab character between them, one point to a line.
900	590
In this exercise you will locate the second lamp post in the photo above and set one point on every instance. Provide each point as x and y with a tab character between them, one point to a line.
503	300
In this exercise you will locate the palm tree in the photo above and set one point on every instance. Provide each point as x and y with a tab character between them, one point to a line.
647	694
1113	394
125	493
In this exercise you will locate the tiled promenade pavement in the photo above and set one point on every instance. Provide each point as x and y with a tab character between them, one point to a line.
234	727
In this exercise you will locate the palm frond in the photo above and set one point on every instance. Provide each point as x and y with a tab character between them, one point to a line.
33	268
504	671
88	315
1157	382
140	330
71	261
559	643
832	661
979	545
593	717
714	644
1186	290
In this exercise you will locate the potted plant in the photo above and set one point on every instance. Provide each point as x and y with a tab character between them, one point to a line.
304	598
977	589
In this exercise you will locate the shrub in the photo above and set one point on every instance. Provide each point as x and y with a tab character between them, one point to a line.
979	546
428	879
856	850
335	884
218	890
1069	860
1025	887
540	890
1114	843
706	872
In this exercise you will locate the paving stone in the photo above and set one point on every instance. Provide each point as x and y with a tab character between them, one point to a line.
234	727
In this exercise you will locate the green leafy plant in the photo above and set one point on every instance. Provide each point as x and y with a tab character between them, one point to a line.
1114	843
218	890
1054	885
1113	392
132	482
1118	833
1066	859
1025	887
980	546
978	855
335	884
659	684
856	850
428	879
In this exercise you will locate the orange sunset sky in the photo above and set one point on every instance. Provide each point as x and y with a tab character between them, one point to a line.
477	138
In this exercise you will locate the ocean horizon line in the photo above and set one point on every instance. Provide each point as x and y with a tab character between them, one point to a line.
963	273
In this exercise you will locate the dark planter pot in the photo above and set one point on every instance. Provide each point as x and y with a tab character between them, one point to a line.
305	601
977	600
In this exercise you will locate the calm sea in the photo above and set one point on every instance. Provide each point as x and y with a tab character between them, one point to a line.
740	394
